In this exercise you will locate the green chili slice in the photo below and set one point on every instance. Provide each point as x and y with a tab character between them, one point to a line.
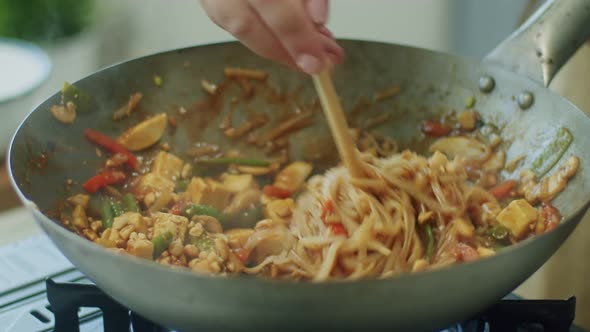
498	232
181	185
161	243
430	241
553	152
158	80
470	101
77	96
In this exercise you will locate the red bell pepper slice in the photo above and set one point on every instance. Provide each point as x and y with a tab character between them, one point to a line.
275	191
111	145
434	129
338	229
104	179
550	215
503	190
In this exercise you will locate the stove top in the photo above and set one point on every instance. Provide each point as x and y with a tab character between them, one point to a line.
66	301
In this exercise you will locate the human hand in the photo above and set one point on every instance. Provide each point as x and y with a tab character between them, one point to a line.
292	32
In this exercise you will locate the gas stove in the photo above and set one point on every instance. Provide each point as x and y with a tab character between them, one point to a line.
41	291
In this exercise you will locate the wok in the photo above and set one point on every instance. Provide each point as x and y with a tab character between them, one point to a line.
510	88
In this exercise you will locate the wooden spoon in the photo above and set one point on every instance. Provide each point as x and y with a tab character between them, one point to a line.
337	122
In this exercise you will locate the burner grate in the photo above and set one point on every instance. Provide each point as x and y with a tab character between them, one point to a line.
531	315
65	299
508	315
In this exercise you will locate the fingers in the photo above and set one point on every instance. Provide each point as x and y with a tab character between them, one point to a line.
240	20
324	31
288	31
318	11
334	51
290	23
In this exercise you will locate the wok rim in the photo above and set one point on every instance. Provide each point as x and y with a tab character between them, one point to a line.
35	212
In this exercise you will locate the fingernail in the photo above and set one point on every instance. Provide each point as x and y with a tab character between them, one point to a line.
335	53
334	58
309	64
318	11
325	31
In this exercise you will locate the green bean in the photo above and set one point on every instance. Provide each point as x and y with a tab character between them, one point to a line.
129	203
202	210
236	161
551	155
117	208
161	243
107	215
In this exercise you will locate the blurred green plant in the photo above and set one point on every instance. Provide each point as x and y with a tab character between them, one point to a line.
44	20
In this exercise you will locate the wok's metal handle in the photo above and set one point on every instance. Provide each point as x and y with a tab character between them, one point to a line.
545	41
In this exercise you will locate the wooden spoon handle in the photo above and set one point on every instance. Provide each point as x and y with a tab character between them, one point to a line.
337	122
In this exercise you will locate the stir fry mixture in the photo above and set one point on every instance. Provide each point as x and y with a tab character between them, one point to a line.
220	212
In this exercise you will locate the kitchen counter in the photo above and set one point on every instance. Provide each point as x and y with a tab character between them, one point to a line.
17	224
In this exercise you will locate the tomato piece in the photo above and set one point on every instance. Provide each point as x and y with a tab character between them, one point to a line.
434	128
275	191
243	254
327	207
179	207
104	179
465	252
338	229
550	215
503	190
111	145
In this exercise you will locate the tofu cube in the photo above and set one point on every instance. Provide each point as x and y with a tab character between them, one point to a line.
140	246
209	192
464	227
236	183
518	216
167	222
216	195
195	189
131	218
155	183
167	165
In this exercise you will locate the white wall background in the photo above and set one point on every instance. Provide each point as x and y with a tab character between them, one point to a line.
162	25
132	28
468	27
